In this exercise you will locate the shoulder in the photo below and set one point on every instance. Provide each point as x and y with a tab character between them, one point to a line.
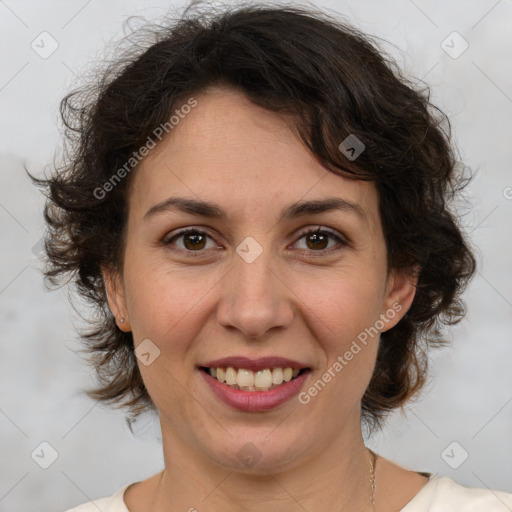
114	503
442	494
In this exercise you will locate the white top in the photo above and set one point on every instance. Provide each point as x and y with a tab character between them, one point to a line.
439	494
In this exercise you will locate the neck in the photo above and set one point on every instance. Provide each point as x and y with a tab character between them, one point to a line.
335	479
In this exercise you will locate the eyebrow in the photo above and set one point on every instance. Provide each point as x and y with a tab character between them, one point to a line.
300	208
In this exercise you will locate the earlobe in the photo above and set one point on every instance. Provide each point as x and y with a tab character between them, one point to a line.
400	293
116	299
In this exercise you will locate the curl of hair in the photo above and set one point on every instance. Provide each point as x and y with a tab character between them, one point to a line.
332	81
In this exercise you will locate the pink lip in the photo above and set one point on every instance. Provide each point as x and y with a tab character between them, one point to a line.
254	364
255	401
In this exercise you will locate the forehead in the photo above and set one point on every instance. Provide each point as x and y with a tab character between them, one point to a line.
248	159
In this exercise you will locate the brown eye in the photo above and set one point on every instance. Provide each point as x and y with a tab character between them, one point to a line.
194	240
317	239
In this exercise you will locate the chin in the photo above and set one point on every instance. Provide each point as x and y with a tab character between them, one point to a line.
259	454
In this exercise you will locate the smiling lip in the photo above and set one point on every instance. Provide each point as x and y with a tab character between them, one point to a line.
255	365
255	401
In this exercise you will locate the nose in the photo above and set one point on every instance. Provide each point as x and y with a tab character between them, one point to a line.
254	298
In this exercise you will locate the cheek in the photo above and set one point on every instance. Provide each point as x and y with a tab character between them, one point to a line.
343	304
166	308
158	301
342	314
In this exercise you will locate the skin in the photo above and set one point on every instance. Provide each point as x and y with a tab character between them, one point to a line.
291	302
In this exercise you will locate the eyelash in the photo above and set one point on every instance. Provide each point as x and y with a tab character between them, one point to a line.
319	230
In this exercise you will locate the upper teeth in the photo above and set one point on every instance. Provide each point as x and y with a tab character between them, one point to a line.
247	380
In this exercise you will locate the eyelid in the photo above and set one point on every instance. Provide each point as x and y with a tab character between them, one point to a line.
183	231
342	240
323	229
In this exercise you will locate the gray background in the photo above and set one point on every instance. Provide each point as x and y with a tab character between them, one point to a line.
469	396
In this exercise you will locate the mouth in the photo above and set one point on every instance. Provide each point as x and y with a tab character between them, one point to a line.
260	390
254	384
245	379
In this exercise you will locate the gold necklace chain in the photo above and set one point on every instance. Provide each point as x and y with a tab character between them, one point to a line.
373	460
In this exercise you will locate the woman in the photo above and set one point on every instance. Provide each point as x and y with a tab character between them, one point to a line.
258	206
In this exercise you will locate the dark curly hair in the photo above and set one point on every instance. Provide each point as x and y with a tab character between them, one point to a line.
334	81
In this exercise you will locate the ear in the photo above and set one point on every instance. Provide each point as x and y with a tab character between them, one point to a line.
116	298
400	292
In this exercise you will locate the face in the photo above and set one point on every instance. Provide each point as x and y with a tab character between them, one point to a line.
252	283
